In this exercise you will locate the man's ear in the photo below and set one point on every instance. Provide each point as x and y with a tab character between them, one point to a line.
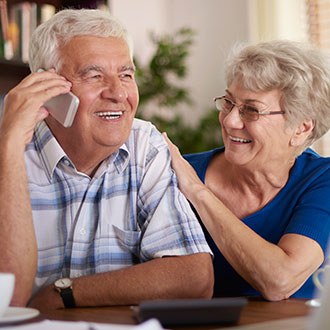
302	132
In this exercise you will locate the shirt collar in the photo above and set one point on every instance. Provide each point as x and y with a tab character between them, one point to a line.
51	153
49	149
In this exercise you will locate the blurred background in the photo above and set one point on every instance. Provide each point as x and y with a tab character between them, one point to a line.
180	50
214	26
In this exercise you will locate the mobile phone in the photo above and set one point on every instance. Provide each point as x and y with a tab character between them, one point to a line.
63	107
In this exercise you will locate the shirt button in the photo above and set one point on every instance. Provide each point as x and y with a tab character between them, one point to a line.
66	162
82	231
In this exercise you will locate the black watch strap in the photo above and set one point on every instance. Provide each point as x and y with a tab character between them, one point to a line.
67	297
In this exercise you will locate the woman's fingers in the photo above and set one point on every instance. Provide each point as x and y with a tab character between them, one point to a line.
175	152
185	173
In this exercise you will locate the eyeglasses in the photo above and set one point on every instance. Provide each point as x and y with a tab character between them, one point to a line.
246	112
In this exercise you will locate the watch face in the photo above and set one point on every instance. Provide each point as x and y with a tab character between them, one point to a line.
63	283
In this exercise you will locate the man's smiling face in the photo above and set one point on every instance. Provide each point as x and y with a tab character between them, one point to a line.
102	75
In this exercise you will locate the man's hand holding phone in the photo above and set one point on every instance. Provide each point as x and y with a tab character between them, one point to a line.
63	107
24	106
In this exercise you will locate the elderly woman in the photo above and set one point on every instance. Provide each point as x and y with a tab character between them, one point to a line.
264	198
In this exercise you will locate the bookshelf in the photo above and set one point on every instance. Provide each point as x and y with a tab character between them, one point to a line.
55	3
13	71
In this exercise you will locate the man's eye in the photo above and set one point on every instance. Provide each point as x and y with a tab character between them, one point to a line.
93	74
126	76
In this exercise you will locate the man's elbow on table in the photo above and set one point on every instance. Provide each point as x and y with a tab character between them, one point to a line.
21	294
200	276
24	279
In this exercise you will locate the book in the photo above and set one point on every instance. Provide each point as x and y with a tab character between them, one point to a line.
24	17
6	44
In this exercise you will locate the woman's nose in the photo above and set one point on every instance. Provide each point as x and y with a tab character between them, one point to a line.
233	119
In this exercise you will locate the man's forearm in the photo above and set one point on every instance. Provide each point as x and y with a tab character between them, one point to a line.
17	236
166	278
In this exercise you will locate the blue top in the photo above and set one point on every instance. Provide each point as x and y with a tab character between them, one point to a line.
302	207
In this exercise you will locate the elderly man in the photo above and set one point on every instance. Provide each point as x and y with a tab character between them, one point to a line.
91	214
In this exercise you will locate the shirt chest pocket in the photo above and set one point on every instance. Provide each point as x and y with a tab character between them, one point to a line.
116	248
129	240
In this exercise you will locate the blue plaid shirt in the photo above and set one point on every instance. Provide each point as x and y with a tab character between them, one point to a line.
129	212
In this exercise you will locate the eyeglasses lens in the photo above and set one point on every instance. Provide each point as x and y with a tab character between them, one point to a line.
223	105
248	113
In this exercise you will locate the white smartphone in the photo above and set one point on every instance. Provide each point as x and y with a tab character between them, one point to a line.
63	107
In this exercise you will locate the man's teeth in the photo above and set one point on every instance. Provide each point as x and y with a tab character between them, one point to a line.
239	140
109	114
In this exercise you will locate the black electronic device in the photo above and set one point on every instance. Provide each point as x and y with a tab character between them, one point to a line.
191	311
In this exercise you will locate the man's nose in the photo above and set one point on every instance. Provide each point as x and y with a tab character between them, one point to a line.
114	90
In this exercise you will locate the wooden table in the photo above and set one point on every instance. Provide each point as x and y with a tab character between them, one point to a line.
257	310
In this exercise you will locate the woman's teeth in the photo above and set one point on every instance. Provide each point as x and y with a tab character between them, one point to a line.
110	115
239	140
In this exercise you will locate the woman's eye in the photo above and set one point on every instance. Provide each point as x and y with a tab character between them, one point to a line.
250	109
228	103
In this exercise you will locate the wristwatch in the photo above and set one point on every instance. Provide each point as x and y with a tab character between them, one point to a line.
64	287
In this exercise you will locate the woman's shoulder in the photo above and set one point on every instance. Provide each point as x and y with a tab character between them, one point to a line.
203	155
200	161
311	161
310	167
200	156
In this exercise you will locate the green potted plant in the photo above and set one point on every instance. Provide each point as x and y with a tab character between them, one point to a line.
155	81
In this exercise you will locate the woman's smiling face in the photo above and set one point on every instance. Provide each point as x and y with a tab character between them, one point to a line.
256	142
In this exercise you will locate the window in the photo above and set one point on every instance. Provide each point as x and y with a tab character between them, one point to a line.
318	16
318	13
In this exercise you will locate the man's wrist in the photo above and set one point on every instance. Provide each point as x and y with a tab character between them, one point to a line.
65	288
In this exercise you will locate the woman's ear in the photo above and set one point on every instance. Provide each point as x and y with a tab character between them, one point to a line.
302	132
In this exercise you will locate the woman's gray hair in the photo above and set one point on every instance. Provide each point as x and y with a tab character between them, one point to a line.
301	73
53	34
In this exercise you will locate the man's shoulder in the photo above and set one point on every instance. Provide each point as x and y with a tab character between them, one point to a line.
145	132
143	126
145	142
